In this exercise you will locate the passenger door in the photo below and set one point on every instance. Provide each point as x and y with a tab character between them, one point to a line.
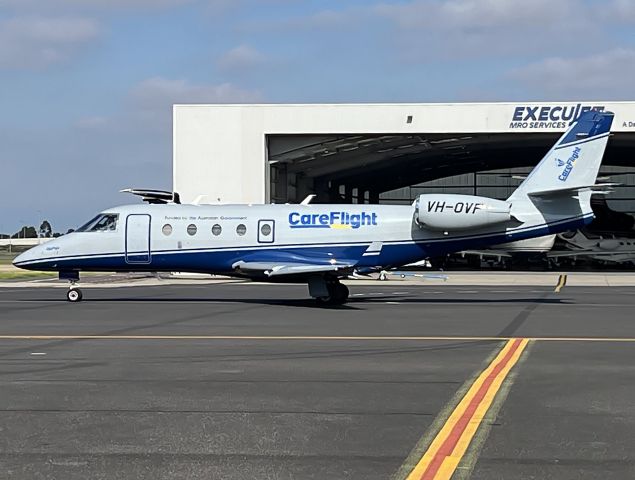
266	231
138	238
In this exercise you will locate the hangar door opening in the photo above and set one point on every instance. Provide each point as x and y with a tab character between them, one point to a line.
395	168
377	168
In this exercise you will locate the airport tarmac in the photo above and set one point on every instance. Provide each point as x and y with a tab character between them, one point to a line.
236	380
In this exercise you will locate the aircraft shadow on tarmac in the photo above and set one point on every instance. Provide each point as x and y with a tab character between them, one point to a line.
354	303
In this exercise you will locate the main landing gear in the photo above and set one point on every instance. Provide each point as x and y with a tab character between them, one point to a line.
74	294
327	291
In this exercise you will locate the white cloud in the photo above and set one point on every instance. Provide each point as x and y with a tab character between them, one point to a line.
52	5
158	91
350	18
92	122
325	19
605	75
151	100
37	42
622	11
242	57
486	28
149	105
479	13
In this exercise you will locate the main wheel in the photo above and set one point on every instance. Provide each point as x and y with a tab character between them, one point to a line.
74	295
323	301
340	293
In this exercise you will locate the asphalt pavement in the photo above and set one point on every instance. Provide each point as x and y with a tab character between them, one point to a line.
239	381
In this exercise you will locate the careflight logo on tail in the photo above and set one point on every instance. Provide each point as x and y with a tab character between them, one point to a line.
569	164
339	220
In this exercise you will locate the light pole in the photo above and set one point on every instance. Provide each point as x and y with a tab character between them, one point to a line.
39	215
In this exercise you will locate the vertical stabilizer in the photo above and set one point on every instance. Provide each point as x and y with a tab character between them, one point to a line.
573	162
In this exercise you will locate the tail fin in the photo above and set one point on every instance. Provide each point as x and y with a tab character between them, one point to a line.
573	162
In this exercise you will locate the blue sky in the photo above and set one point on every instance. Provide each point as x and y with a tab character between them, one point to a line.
86	86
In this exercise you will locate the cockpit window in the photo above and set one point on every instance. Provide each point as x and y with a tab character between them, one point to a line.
104	222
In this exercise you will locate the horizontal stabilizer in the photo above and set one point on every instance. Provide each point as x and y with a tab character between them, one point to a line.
597	188
589	252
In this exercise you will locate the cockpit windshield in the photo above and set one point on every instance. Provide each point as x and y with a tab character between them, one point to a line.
104	222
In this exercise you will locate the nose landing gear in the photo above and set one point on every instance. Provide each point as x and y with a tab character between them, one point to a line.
74	294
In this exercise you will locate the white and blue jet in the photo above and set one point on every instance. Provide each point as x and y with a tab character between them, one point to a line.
319	244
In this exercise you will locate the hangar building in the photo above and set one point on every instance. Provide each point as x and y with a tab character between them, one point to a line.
379	153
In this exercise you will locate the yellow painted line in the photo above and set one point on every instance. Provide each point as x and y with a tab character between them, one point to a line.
448	447
316	337
562	281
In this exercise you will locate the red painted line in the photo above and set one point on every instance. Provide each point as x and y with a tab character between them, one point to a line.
450	442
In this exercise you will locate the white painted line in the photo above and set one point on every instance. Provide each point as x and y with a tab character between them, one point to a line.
393	303
37	353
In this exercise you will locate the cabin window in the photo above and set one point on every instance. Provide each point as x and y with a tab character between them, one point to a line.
216	230
265	229
167	229
191	229
241	229
104	222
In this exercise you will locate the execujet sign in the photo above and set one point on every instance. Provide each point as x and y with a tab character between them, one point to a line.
548	116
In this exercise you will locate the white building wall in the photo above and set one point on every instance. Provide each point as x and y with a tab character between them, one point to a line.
219	150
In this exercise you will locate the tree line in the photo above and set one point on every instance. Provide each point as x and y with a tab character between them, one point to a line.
45	231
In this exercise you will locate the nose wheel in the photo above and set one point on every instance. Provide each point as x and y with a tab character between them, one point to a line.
74	295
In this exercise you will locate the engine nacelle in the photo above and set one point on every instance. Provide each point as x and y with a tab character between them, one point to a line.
449	212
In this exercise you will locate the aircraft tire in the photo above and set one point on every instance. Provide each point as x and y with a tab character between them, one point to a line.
338	295
341	293
323	301
74	295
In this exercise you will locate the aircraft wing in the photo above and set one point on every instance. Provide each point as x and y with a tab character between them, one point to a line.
274	269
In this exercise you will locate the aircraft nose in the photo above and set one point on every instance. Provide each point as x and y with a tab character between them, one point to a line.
25	260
